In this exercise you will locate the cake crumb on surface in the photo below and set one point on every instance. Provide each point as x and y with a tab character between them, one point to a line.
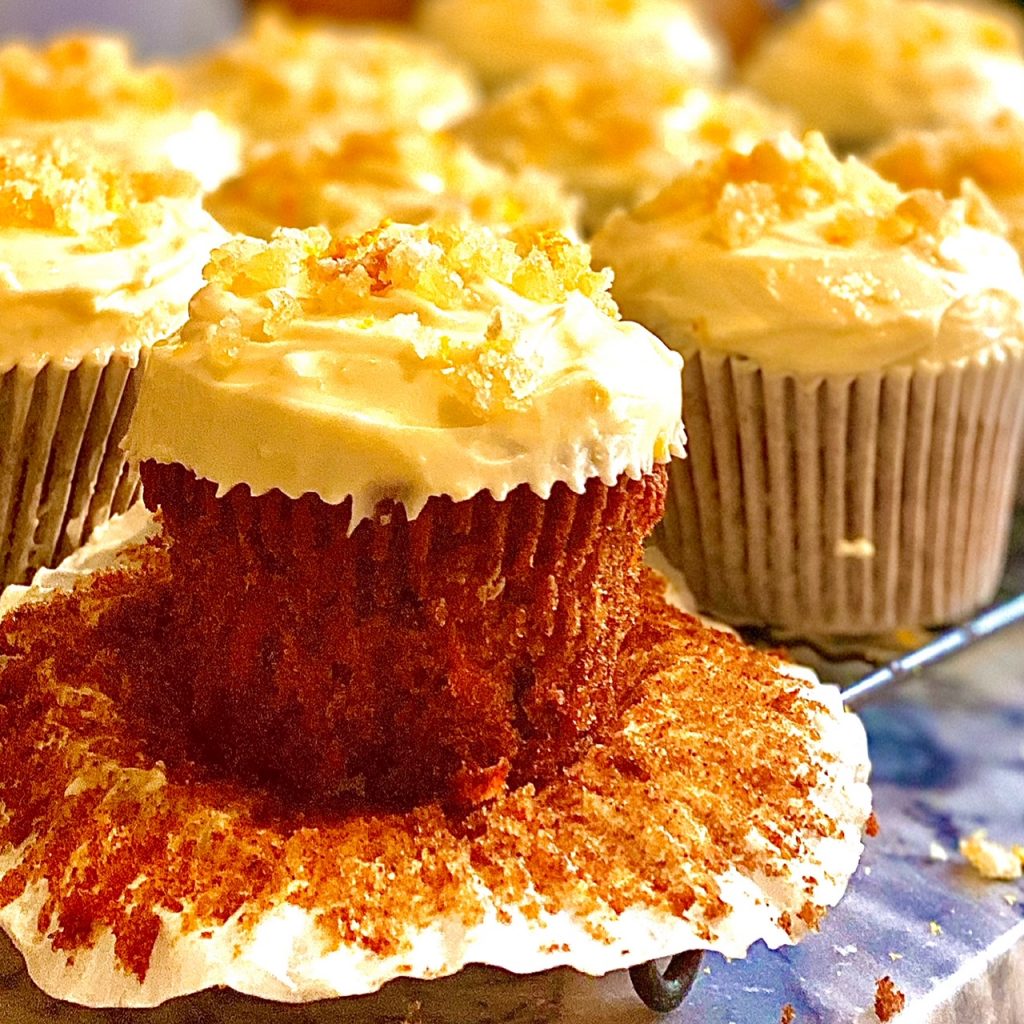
935	927
990	859
872	828
788	1014
937	852
889	1000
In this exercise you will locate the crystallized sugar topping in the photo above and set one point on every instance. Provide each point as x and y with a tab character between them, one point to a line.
73	189
77	77
748	194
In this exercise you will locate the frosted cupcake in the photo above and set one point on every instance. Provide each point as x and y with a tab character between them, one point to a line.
285	79
860	70
86	87
351	185
852	387
418	441
988	153
505	41
615	139
97	262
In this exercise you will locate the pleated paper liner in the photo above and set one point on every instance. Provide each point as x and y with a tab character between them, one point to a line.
62	472
847	504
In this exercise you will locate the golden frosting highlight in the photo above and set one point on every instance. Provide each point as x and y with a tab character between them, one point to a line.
810	264
861	69
615	137
286	78
95	256
408	362
349	186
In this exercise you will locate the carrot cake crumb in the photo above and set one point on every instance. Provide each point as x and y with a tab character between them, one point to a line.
990	859
788	1014
872	827
889	1000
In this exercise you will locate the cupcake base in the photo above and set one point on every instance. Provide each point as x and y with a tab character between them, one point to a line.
61	468
845	505
184	881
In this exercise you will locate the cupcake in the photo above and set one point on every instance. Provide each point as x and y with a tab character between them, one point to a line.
852	387
384	688
97	262
988	153
859	70
86	87
615	139
503	41
350	185
285	79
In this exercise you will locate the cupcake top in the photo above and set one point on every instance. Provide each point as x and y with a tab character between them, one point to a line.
352	184
615	137
88	87
861	69
988	153
409	362
283	79
94	257
503	41
809	264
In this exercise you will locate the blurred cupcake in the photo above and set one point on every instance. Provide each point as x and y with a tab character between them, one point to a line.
351	185
505	41
859	70
286	79
97	262
615	139
853	387
988	153
419	441
86	87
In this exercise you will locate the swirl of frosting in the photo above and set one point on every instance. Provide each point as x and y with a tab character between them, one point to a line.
410	362
351	184
88	88
811	265
286	78
94	258
502	41
861	69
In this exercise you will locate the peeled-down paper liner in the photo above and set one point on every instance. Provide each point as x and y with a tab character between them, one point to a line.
284	957
61	468
848	504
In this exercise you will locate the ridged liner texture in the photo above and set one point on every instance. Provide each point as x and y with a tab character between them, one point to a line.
848	504
62	472
406	660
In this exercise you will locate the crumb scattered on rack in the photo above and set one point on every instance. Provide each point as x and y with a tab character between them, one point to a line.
889	1000
895	956
872	827
990	859
935	927
788	1014
936	851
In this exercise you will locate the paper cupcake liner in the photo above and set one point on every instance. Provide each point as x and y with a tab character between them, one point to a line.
846	505
609	866
293	617
61	470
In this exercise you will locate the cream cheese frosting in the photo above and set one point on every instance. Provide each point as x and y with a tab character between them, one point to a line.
615	137
283	79
87	87
351	184
94	258
503	41
411	362
810	265
988	153
860	69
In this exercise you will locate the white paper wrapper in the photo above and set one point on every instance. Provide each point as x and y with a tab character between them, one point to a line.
61	469
850	504
285	957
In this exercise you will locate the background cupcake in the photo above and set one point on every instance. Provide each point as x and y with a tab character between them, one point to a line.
285	79
503	41
614	138
852	387
97	262
408	538
859	70
86	87
351	185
